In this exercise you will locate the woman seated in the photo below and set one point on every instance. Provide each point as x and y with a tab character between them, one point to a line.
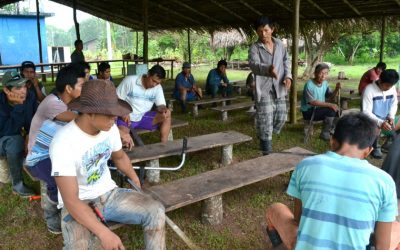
314	104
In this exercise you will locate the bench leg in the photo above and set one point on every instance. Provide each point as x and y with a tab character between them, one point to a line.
153	176
195	110
170	135
224	115
224	103
344	104
171	105
212	208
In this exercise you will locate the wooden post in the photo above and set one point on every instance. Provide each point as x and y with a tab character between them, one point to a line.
383	31
137	43
189	50
78	34
295	55
153	176
145	31
212	208
39	40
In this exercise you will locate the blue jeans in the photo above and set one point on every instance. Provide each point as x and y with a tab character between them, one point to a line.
124	206
213	90
12	147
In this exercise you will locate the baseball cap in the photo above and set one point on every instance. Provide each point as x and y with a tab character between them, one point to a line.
13	79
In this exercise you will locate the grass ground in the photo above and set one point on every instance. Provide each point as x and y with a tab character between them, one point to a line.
22	225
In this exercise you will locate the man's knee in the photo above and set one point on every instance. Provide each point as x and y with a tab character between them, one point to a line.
14	144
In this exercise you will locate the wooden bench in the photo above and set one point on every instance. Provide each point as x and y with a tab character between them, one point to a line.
224	109
209	101
344	100
210	185
238	86
153	152
175	123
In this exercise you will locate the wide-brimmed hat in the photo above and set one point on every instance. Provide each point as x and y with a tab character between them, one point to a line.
100	97
13	79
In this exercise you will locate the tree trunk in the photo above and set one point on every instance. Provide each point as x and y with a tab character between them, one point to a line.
353	53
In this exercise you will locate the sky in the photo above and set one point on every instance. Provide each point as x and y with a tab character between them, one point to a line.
63	15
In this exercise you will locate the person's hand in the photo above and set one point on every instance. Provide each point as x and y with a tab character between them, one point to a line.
288	83
127	141
14	98
338	86
334	107
127	119
272	72
35	82
111	241
386	126
390	121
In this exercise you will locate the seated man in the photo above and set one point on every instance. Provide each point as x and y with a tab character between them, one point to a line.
185	87
379	102
104	72
86	67
142	92
339	198
313	101
28	71
217	82
17	107
370	76
79	153
52	114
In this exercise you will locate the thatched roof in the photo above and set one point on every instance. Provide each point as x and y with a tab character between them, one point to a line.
228	38
218	14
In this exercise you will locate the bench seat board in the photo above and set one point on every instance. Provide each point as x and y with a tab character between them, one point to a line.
175	123
189	190
207	101
197	143
234	106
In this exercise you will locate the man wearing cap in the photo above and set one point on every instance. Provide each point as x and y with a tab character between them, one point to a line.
79	153
185	87
217	81
142	92
28	71
17	107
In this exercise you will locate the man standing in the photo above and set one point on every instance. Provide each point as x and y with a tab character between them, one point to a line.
142	92
17	107
270	64
78	56
28	71
79	153
217	81
370	76
185	87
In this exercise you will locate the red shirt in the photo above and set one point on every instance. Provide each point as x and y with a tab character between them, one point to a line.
368	77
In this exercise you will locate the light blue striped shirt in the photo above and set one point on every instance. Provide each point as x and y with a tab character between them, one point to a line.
342	198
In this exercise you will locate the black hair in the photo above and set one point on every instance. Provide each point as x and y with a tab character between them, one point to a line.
69	76
103	66
381	65
77	42
157	70
356	129
320	67
389	76
222	62
262	21
85	65
27	65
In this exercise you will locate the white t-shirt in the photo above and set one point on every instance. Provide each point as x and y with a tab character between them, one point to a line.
141	100
49	108
76	153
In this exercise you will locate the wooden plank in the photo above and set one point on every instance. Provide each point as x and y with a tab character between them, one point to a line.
189	190
175	123
208	101
234	106
197	143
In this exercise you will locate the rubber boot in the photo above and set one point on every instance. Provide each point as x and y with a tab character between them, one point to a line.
326	128
18	186
266	147
376	152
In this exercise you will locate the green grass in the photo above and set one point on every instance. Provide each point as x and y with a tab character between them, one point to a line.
22	225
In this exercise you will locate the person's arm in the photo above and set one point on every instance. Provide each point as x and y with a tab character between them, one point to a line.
331	95
180	82
40	96
123	88
297	210
256	66
66	116
83	214
11	123
122	162
393	107
382	235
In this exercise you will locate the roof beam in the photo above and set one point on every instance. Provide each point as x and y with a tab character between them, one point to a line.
398	2
175	13
319	8
352	7
285	7
196	11
228	10
251	7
